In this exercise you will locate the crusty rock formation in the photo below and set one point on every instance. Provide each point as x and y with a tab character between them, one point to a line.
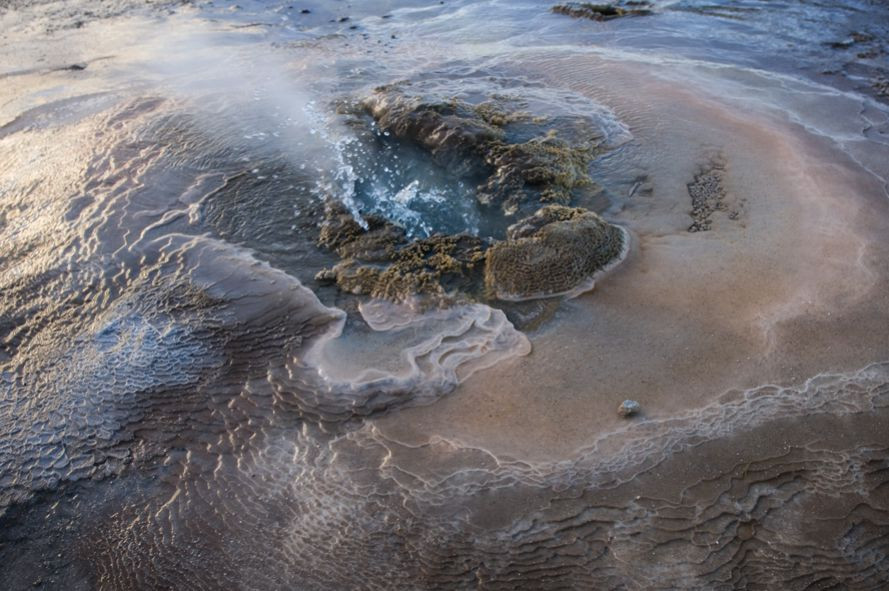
379	261
709	195
471	141
517	164
556	251
602	12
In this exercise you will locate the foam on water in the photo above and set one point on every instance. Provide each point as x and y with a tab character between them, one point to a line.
405	187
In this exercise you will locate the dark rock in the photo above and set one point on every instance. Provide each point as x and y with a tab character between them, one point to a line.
708	196
601	12
380	262
453	134
471	141
552	252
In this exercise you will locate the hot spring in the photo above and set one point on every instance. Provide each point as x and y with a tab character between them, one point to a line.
330	296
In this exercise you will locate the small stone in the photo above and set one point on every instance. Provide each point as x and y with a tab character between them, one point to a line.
325	276
628	408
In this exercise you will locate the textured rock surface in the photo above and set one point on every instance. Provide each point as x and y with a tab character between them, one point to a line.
472	141
451	131
602	12
555	251
517	163
709	195
380	262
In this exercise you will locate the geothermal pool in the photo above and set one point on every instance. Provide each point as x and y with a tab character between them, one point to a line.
328	296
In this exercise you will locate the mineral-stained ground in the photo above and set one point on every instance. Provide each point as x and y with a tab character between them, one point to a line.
444	295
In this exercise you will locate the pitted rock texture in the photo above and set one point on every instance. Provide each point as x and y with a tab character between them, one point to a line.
472	141
516	161
603	12
553	252
709	196
380	262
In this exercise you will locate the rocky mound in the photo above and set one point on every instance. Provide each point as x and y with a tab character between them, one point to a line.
518	163
602	12
556	251
380	262
473	141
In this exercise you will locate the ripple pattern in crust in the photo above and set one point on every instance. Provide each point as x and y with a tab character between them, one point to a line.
252	495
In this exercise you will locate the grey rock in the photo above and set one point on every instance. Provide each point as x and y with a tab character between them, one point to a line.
628	408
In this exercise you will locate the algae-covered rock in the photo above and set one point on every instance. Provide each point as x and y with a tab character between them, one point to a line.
345	236
451	131
556	251
547	164
495	114
516	162
602	12
473	141
380	262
